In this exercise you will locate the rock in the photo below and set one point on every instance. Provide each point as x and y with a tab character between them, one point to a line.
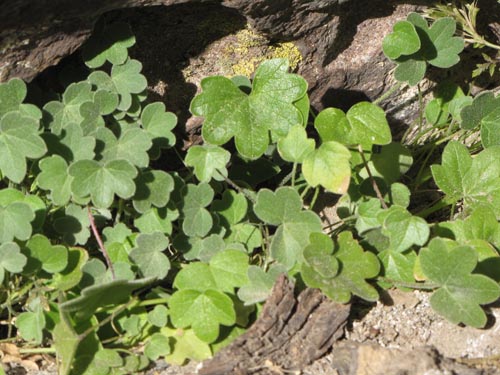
351	358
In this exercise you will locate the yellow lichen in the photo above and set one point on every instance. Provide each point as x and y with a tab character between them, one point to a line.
250	49
286	50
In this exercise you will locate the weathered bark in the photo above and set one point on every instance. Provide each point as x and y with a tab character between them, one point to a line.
290	333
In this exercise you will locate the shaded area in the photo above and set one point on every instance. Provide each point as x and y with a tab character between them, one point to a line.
166	39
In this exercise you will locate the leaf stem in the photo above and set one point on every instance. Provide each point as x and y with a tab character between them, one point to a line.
100	243
294	172
436	207
50	350
108	319
152	302
370	176
315	197
239	189
404	284
388	93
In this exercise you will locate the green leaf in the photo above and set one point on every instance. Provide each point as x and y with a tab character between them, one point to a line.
438	47
203	311
119	233
31	325
393	161
74	225
403	40
400	195
132	145
159	124
11	259
447	46
364	124
244	233
319	262
229	112
283	208
106	101
197	219
403	229
475	180
11	195
54	177
355	266
61	114
490	129
232	207
329	167
50	258
148	255
19	140
15	221
158	316
72	274
229	268
93	297
482	105
12	94
208	161
437	111
367	215
455	165
66	342
157	346
103	181
108	43
260	283
125	80
153	188
398	266
410	70
107	358
461	293
296	146
78	146
199	248
186	346
157	220
226	270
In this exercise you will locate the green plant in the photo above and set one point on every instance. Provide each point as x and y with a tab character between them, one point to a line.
100	252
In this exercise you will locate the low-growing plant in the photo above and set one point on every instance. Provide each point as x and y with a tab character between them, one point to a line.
101	253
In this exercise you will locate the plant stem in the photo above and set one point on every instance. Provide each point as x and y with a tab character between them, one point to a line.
154	301
239	189
100	243
370	176
108	319
388	93
436	207
315	197
420	108
294	172
404	284
38	351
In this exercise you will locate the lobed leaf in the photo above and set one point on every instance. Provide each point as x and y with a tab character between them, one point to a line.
283	208
229	112
460	293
